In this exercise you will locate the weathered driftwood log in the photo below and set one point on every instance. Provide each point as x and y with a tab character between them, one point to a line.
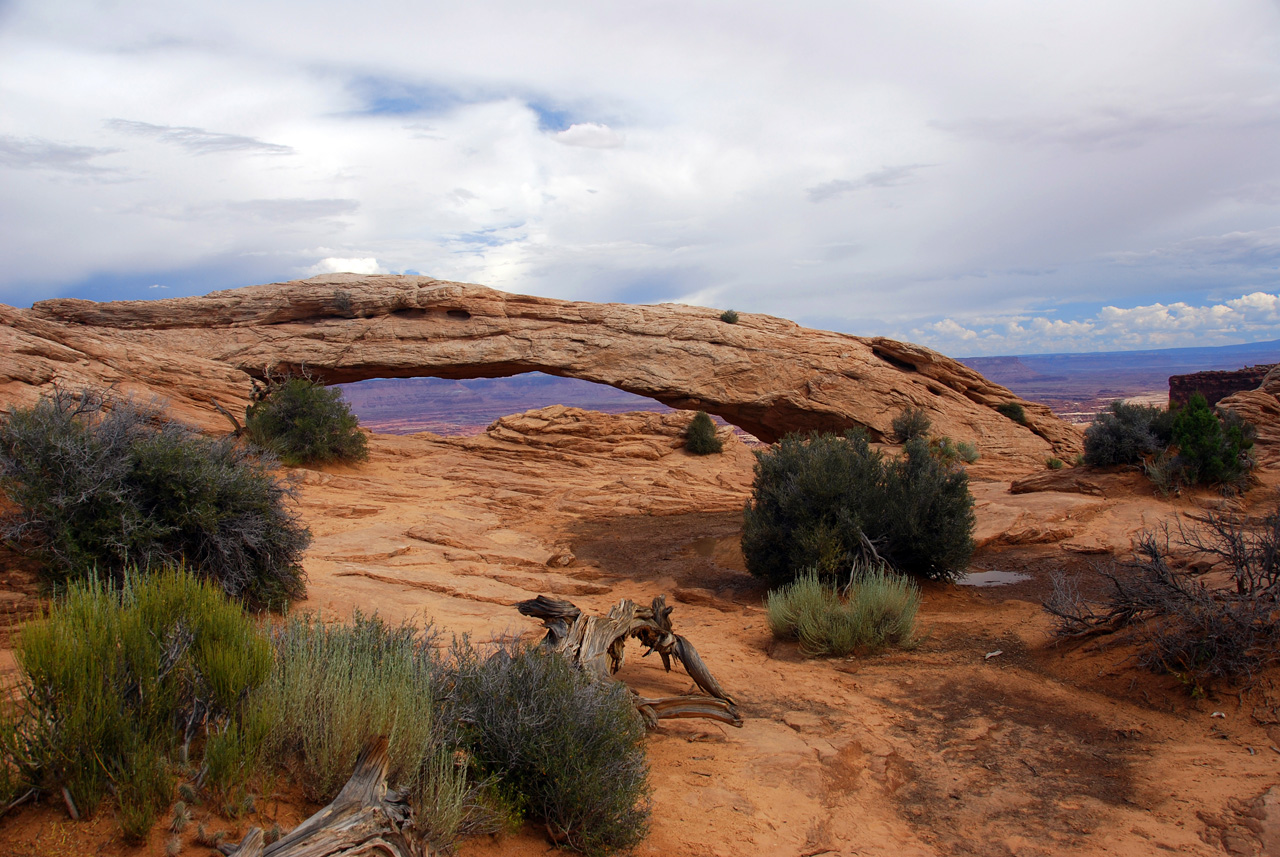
596	644
364	819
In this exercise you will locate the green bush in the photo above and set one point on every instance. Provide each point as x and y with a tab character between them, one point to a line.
104	485
1126	434
911	422
1053	463
564	747
116	679
700	437
304	422
821	501
1013	411
1211	450
729	316
879	610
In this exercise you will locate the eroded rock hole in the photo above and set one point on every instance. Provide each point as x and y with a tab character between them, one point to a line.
469	405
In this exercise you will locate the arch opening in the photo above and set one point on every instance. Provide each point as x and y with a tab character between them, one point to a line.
464	406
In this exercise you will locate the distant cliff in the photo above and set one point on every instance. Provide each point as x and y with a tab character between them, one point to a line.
1215	386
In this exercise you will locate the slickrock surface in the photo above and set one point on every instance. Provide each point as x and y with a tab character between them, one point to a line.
983	739
764	374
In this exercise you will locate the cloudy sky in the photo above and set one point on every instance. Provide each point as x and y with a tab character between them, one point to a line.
982	177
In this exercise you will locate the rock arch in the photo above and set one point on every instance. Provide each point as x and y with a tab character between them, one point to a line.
767	375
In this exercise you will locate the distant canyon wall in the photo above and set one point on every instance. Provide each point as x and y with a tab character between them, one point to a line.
1215	386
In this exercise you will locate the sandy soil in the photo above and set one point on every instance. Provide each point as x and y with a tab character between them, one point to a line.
983	739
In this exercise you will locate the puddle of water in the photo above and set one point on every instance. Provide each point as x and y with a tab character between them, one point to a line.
992	578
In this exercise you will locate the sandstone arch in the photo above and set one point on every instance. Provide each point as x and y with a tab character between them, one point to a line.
764	374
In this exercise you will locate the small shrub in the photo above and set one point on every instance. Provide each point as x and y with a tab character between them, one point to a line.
113	677
949	452
101	485
700	437
1125	434
729	316
879	610
1013	411
1184	622
1212	450
1053	463
821	501
565	748
303	422
910	423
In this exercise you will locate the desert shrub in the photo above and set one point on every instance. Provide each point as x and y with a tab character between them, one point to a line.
1186	621
1211	450
729	316
700	437
116	678
950	452
333	687
1125	434
1053	463
878	609
303	421
1013	411
911	422
565	748
821	501
105	485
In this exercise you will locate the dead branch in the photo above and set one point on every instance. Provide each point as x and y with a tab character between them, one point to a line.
217	406
596	644
364	819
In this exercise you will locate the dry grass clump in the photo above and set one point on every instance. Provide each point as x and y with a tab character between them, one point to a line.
877	609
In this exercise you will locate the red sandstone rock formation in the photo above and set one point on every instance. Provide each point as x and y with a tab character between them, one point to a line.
1215	385
764	374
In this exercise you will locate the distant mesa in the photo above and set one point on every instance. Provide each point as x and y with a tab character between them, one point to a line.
766	375
1215	386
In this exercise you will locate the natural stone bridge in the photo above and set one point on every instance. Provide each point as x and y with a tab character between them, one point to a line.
767	375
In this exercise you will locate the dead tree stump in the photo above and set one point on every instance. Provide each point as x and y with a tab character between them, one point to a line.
364	819
596	644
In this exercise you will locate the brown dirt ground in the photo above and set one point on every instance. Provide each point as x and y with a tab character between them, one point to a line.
984	739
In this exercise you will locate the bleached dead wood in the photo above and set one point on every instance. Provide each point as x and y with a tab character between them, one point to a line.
364	819
596	643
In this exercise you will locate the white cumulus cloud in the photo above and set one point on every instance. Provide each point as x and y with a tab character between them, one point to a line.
337	265
589	135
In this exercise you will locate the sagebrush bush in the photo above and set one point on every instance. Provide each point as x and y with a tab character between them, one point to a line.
305	422
103	485
1126	434
910	423
729	316
1013	411
700	437
821	501
878	609
566	748
333	687
115	679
